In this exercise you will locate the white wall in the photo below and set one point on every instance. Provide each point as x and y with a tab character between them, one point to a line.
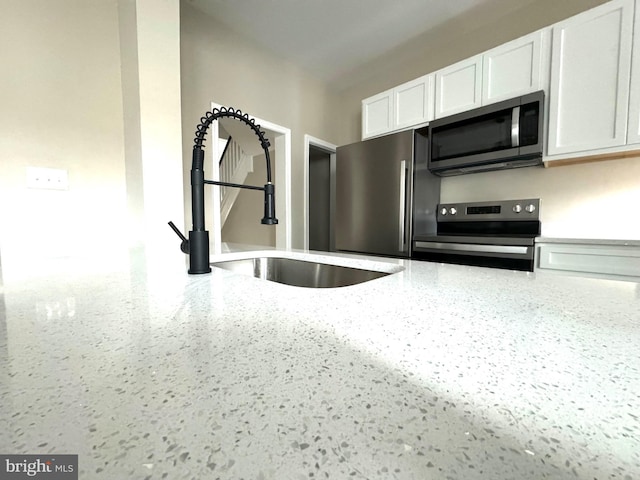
94	87
222	66
61	107
590	200
158	52
130	75
91	87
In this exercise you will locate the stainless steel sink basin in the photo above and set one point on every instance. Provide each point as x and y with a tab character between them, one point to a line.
299	273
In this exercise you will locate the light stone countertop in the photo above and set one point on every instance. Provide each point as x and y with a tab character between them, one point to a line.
434	372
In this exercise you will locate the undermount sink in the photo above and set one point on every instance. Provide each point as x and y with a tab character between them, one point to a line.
299	273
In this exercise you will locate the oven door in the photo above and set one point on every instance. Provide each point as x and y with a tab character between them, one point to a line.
514	253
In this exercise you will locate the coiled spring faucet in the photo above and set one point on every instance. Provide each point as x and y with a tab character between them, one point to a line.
197	245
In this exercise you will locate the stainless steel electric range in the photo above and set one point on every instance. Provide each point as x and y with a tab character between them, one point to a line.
498	234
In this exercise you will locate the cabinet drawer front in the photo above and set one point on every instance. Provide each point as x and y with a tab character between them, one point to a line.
591	259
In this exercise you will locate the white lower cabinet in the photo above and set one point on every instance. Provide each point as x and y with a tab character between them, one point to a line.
459	87
596	258
589	89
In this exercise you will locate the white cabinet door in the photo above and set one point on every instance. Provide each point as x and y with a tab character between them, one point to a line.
458	87
377	114
516	68
633	134
590	68
413	102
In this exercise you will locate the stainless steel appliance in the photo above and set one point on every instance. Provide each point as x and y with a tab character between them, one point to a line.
497	234
374	190
503	135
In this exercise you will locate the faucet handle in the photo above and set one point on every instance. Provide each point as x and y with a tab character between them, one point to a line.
269	205
184	246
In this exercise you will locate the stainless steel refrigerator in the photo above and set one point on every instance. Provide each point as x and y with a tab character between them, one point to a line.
374	194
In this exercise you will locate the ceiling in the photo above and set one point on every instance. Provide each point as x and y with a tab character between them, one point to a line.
331	38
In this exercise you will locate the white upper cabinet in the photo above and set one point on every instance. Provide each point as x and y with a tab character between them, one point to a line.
633	134
404	106
413	102
590	69
587	65
516	68
459	87
377	114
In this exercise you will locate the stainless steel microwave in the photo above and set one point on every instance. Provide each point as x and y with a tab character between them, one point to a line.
507	134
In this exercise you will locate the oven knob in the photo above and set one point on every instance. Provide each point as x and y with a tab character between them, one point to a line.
530	208
453	211
517	208
443	211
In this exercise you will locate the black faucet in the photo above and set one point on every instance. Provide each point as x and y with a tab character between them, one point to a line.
197	246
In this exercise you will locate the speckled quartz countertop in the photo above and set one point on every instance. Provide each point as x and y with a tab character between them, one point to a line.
433	372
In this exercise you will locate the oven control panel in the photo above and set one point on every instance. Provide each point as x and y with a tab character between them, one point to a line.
502	210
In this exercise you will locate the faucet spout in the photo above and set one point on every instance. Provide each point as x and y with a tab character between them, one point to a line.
198	242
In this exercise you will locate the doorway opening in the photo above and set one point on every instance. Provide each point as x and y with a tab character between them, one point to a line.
280	139
320	157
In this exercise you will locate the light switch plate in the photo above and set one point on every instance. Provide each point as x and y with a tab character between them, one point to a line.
47	178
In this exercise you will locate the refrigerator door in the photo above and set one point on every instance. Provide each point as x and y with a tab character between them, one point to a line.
373	195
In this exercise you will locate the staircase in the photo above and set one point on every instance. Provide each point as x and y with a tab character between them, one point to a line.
235	165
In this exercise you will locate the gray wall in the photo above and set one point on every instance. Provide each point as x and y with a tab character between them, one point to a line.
86	85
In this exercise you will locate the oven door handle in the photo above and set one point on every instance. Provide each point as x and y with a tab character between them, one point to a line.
469	247
515	127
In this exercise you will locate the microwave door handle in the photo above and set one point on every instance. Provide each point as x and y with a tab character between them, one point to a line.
403	200
515	127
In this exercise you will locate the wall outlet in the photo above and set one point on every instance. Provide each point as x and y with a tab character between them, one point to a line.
47	178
